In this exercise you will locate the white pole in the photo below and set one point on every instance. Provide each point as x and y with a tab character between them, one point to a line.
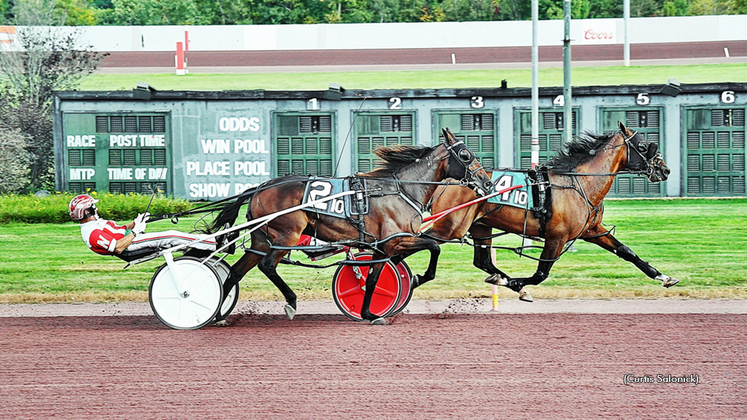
535	93
494	288
626	23
535	85
567	93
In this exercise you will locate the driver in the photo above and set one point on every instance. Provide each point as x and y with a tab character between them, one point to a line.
107	238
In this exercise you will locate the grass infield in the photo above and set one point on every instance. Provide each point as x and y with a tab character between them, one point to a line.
430	79
702	242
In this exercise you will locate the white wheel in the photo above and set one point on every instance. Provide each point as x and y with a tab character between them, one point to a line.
223	269
187	297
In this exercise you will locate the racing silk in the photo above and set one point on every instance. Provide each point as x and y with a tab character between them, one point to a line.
102	235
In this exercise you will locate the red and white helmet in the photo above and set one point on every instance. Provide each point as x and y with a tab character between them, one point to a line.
79	205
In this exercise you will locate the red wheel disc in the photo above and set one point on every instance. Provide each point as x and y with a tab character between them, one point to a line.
405	277
348	288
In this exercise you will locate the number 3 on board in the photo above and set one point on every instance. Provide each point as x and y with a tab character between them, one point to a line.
476	102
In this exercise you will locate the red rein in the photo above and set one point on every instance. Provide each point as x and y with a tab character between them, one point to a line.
435	217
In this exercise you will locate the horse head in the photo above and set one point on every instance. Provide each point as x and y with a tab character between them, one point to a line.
644	156
464	166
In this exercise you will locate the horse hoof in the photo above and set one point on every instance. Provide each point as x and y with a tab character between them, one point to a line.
667	281
290	312
525	295
221	323
379	321
497	279
671	282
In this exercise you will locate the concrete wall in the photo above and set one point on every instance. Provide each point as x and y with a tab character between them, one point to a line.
409	35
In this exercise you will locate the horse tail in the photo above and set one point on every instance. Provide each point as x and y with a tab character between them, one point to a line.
230	211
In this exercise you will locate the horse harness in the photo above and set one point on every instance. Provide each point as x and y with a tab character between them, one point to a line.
541	193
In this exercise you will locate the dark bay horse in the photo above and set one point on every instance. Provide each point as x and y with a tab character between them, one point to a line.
578	179
389	204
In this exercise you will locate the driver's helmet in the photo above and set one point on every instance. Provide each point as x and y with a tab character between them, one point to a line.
79	205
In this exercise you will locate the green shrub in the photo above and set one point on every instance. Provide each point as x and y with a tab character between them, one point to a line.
53	208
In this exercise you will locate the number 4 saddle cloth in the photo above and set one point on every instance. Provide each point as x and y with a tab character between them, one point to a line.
519	197
345	206
534	193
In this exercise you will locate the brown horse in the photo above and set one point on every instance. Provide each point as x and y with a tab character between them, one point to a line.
383	215
575	184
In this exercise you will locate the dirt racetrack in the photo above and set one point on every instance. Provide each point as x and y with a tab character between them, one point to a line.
421	366
498	56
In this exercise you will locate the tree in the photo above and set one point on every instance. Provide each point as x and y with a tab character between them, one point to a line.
226	12
645	8
395	10
469	10
553	9
40	60
347	11
77	12
606	9
514	10
274	12
709	7
739	7
158	12
14	172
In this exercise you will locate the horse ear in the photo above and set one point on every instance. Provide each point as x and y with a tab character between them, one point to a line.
448	136
622	127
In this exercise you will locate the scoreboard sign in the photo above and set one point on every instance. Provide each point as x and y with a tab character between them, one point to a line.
139	153
117	153
229	155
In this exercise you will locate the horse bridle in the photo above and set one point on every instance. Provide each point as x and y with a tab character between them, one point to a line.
644	155
471	166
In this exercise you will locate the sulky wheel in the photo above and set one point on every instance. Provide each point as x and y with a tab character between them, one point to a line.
405	277
223	269
185	294
348	288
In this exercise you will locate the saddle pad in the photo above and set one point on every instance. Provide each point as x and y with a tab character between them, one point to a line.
344	207
519	197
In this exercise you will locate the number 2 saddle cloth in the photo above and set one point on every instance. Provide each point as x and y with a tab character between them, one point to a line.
347	206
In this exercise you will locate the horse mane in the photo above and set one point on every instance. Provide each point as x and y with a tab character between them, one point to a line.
578	151
397	156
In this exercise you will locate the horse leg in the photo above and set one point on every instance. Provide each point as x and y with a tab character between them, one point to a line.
550	253
371	280
401	257
239	270
484	261
409	247
482	257
606	240
268	266
435	252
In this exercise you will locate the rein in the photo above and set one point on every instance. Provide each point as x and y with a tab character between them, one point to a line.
430	220
627	172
